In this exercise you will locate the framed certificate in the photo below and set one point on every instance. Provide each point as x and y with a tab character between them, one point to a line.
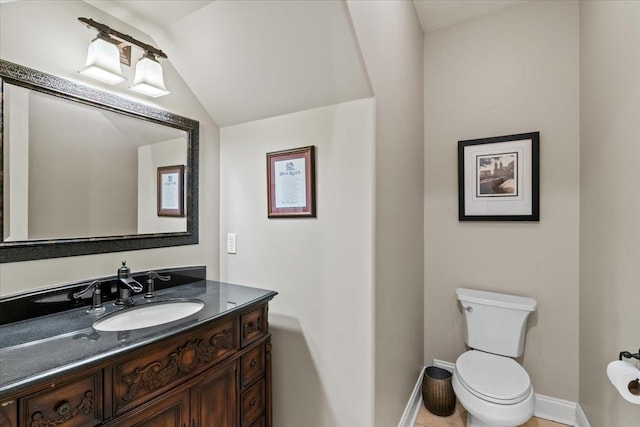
291	183
171	191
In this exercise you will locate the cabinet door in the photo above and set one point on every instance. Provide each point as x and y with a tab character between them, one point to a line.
213	398
171	411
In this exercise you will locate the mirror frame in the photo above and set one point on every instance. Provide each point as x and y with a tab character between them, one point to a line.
56	248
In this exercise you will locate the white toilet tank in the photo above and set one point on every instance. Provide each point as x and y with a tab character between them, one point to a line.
495	322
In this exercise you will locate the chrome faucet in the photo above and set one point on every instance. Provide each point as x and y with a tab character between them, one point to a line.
126	284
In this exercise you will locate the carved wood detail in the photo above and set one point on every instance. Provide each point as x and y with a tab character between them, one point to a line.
252	327
64	412
268	349
4	421
182	361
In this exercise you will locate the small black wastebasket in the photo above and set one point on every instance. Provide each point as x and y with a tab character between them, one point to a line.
437	391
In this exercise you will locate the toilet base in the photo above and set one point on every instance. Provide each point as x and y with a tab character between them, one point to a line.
493	414
475	422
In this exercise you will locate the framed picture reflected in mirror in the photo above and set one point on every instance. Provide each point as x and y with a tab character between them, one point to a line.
171	191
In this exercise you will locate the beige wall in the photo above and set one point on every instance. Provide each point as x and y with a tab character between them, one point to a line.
322	267
391	42
609	206
46	35
511	72
381	375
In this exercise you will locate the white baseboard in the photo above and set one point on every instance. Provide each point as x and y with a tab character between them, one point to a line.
549	408
444	365
558	410
581	418
413	406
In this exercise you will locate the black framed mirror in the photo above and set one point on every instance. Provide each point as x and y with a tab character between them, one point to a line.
79	170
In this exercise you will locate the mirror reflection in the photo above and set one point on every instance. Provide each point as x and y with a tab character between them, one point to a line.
83	171
76	171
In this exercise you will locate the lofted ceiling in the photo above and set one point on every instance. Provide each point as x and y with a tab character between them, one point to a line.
159	13
437	14
252	59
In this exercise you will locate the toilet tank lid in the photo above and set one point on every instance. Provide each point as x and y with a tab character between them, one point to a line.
495	299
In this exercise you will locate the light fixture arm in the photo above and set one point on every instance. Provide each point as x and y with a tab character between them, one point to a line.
124	37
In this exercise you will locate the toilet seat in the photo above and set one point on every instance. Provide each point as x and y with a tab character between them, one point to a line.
493	378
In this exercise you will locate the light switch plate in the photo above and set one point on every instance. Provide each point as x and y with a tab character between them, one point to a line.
231	243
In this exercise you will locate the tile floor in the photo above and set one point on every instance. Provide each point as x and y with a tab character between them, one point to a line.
459	418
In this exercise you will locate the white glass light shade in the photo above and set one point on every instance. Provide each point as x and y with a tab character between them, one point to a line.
103	62
148	79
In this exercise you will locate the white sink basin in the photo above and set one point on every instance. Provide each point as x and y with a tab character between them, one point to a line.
145	316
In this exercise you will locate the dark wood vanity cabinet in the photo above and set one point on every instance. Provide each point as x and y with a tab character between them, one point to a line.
215	375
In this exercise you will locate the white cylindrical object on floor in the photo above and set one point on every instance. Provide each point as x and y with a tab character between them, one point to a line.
624	376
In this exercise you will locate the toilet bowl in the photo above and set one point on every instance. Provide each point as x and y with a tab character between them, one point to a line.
495	390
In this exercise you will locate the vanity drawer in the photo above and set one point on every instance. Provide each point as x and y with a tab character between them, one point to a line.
253	326
76	403
252	365
252	403
155	370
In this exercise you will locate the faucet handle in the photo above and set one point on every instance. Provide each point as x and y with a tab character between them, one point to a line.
153	275
92	286
96	303
150	285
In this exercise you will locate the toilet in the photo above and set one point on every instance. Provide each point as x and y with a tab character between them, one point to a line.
495	390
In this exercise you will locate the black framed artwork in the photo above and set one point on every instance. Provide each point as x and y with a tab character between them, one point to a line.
499	178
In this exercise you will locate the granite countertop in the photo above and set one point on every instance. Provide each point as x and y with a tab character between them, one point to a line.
41	348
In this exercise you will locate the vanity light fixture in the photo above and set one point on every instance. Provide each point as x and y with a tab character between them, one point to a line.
148	79
104	58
